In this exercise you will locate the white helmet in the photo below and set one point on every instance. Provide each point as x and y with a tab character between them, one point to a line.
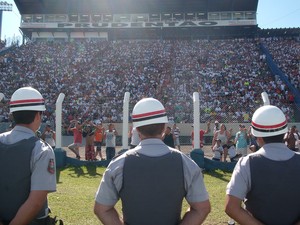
268	121
27	98
148	111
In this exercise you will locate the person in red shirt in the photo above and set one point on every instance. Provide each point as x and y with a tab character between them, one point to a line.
202	133
76	128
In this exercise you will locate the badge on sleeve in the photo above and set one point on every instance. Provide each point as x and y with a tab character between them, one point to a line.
51	168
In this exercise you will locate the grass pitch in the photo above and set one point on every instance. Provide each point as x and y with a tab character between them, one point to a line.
74	200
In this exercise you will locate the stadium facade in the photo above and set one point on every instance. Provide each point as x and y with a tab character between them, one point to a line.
137	19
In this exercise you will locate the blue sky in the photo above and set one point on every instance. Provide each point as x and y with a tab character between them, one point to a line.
270	14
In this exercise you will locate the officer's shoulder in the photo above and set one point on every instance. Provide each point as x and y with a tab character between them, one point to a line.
44	145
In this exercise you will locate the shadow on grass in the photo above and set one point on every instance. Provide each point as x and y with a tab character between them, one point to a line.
219	174
58	176
89	171
79	171
92	171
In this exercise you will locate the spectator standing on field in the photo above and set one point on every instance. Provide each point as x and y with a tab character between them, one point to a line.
110	141
224	135
49	136
291	138
89	143
201	135
218	151
76	128
176	133
168	138
253	146
129	177
232	151
241	141
134	138
216	126
98	141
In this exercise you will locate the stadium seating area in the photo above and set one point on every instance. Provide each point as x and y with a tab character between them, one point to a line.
94	75
286	53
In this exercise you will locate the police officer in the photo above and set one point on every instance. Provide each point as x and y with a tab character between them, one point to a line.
27	164
152	179
268	179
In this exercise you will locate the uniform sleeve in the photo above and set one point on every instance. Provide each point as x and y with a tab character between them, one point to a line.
43	168
240	182
194	183
111	183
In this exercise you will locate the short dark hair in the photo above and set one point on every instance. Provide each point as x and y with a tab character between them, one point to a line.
24	117
152	129
274	139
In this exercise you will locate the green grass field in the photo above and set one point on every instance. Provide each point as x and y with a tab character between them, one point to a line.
74	200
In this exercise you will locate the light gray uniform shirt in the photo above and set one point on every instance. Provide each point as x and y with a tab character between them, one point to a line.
111	183
240	182
41	178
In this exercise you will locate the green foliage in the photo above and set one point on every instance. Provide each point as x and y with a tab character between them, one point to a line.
74	200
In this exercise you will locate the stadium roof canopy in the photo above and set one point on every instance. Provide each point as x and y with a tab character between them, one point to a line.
132	6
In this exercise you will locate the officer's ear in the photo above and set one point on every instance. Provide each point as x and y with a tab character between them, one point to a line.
260	141
39	114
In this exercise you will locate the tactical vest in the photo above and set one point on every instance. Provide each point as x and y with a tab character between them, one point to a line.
274	196
153	189
15	177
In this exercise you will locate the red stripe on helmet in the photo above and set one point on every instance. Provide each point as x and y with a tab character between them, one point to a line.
27	101
269	126
154	113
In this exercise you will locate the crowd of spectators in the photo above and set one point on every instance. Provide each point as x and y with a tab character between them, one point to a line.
94	75
286	54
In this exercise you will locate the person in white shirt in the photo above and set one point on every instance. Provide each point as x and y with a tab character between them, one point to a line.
217	150
110	141
135	138
49	136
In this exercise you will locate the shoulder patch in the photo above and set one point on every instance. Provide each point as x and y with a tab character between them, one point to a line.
51	168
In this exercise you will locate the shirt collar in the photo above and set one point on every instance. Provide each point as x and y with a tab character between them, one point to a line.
152	147
23	129
276	151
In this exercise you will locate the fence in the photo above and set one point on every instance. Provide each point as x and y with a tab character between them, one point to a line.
185	132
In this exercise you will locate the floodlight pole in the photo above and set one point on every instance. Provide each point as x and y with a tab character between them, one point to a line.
4	6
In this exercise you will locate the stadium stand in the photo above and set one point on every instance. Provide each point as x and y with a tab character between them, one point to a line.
229	74
286	53
95	50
